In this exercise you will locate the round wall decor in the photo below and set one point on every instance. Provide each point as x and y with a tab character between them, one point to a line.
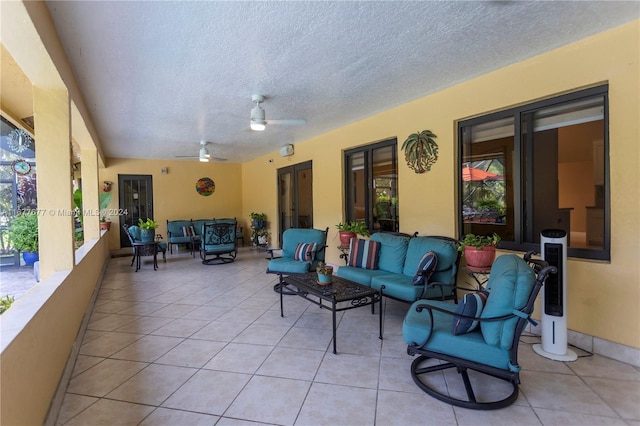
205	186
21	167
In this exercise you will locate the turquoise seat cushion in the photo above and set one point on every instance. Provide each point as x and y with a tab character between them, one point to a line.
398	286
293	236
162	246
393	250
510	285
446	251
289	266
416	329
359	275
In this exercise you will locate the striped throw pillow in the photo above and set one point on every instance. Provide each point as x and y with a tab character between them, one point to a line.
188	231
305	252
364	253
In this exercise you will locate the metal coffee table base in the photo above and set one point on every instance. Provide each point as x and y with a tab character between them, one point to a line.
340	290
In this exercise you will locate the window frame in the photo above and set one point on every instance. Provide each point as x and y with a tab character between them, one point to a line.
370	197
519	158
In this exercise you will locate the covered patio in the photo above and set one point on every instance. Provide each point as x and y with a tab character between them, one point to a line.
182	345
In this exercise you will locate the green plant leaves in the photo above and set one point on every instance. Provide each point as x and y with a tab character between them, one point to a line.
421	151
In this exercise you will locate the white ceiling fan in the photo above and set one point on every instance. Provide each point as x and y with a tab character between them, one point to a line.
258	121
203	155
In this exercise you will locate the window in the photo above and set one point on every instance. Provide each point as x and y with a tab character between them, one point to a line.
372	185
554	175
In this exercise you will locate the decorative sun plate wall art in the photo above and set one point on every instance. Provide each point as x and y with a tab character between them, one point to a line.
205	186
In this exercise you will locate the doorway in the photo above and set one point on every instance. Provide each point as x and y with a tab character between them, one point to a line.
136	200
295	202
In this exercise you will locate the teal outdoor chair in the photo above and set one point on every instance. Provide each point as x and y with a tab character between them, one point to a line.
218	244
133	233
287	263
480	334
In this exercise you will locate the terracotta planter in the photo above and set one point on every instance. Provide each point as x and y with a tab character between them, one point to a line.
105	225
345	237
479	258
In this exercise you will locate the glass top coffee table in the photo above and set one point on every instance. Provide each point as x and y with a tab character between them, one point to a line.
340	290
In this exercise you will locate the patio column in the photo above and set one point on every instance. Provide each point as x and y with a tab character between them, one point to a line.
52	118
90	201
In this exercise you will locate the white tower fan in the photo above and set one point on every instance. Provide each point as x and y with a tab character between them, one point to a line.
553	246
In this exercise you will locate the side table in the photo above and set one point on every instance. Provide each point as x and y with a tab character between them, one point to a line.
145	249
479	275
195	240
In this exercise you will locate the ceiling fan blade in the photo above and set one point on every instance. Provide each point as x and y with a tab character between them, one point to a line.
185	156
289	122
220	159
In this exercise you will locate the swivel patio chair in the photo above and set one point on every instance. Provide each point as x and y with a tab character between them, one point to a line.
469	337
302	249
218	244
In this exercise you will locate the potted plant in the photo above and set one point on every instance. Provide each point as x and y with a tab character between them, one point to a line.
147	230
350	230
325	273
23	233
479	250
262	236
258	220
105	200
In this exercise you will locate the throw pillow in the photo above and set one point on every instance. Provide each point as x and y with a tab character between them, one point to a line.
305	252
188	231
364	253
471	305
426	268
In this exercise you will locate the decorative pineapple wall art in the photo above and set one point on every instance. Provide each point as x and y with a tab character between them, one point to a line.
421	151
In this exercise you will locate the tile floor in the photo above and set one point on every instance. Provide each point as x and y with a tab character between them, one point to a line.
191	344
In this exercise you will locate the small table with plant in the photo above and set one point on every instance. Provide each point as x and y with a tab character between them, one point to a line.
479	253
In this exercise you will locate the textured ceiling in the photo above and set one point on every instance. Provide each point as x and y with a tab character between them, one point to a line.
158	77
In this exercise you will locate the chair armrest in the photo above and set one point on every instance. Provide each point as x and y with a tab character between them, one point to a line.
431	308
271	250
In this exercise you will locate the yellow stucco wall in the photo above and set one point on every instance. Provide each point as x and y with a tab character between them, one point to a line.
31	366
603	296
174	193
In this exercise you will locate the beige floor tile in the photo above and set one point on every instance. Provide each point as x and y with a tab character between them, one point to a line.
364	343
400	408
245	316
342	400
599	366
289	363
73	405
165	416
208	391
104	377
102	413
112	306
84	362
148	349
562	392
395	375
349	370
567	418
360	323
623	396
181	327
317	319
303	338
220	331
272	317
174	310
108	344
239	358
157	381
514	414
191	353
144	325
111	322
279	405
259	334
207	313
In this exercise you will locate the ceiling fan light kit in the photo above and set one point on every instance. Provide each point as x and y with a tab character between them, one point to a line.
258	121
